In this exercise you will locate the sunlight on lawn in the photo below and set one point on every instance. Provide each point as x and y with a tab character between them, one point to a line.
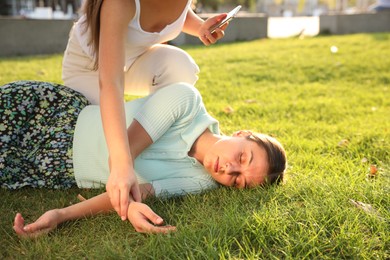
331	111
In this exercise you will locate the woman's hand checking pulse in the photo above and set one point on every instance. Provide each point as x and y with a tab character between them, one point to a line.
122	188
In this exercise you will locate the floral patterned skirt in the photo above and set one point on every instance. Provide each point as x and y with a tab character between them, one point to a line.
37	121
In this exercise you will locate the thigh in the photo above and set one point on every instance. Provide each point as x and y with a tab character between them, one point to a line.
160	66
36	134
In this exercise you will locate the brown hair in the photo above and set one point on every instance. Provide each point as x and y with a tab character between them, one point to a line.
92	10
277	159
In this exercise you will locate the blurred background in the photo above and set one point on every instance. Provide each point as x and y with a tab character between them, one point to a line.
68	9
30	27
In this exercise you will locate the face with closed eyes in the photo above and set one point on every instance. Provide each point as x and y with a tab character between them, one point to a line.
237	162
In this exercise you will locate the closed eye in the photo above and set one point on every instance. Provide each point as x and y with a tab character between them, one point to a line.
242	158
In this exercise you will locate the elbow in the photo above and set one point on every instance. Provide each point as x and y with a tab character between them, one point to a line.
111	85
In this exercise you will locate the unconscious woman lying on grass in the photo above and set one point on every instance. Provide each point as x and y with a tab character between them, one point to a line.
51	137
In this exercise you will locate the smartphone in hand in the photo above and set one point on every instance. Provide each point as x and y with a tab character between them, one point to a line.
229	17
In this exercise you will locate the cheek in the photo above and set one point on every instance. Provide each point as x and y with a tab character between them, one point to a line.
220	146
222	179
207	162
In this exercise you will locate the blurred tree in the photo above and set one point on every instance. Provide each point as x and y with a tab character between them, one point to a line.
213	4
216	4
247	4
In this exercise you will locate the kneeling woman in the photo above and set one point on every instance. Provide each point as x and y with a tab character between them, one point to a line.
51	137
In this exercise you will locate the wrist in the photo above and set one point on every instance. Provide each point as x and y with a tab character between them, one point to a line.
120	161
62	215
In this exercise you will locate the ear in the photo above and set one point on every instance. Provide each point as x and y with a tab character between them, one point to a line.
242	133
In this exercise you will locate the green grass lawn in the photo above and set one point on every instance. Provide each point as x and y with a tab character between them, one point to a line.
330	110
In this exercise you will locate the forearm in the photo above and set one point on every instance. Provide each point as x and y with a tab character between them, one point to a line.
91	207
114	124
99	204
113	30
138	138
192	24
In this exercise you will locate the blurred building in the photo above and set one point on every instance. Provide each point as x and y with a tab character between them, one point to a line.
289	8
68	9
50	9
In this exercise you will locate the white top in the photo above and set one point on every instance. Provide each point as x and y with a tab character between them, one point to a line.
174	117
138	40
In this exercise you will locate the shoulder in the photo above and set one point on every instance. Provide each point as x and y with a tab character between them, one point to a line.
123	10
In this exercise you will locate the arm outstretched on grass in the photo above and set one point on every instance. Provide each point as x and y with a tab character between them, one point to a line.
139	214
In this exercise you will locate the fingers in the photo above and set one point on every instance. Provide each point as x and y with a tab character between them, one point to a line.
147	227
209	38
125	199
136	193
19	220
162	229
19	225
156	220
36	227
223	27
144	220
113	194
118	188
124	203
31	228
218	34
204	39
216	19
28	231
149	214
119	199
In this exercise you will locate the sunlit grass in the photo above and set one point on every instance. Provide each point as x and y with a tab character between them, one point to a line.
330	110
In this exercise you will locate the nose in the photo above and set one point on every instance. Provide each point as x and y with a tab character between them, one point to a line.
231	169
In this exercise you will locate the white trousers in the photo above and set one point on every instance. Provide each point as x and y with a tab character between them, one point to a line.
159	66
